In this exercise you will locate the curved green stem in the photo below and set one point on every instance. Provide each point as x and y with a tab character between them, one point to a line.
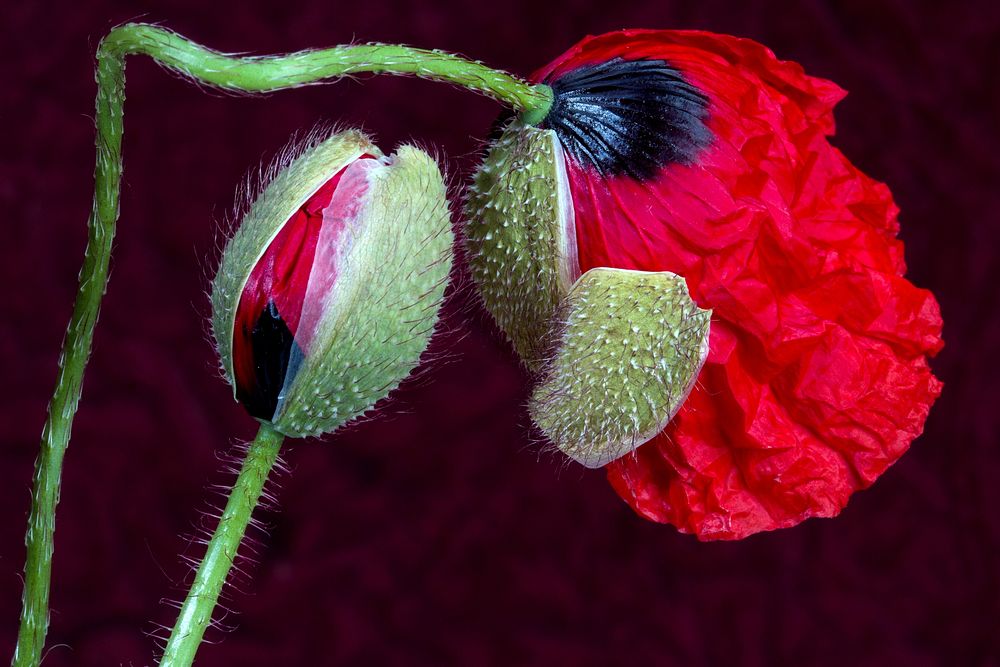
248	74
268	73
72	362
196	612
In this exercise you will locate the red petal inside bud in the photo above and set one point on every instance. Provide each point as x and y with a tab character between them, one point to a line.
267	341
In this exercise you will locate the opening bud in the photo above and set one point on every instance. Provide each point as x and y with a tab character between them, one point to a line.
329	290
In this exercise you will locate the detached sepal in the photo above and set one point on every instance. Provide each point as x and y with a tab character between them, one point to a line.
628	353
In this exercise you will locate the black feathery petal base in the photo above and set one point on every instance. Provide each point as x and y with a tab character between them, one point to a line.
272	344
629	117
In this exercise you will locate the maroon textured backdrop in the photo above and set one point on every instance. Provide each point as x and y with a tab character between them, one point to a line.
441	535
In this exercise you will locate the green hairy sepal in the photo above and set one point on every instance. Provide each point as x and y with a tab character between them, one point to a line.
630	346
392	270
386	300
521	237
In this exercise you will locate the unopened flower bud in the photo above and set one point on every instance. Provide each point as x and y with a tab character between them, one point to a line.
329	290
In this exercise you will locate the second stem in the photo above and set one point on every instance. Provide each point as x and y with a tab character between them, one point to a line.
196	612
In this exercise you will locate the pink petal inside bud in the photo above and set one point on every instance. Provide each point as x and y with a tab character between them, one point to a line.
286	291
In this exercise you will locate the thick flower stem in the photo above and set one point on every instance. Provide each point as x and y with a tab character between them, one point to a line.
247	74
196	612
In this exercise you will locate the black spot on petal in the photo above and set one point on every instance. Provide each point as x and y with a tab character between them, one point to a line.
272	344
629	117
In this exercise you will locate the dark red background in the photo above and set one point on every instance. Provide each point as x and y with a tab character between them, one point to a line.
442	535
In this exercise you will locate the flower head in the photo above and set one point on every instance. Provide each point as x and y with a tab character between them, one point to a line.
329	290
704	156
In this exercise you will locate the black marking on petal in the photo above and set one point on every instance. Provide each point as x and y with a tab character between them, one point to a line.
272	344
629	117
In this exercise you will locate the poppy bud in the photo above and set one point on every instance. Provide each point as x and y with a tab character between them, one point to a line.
328	292
705	157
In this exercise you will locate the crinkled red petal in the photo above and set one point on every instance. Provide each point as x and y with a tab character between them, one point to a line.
817	379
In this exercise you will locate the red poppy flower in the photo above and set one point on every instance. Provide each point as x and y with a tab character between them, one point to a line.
705	156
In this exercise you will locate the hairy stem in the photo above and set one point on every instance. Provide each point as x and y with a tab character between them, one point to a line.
196	612
247	74
72	361
268	73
